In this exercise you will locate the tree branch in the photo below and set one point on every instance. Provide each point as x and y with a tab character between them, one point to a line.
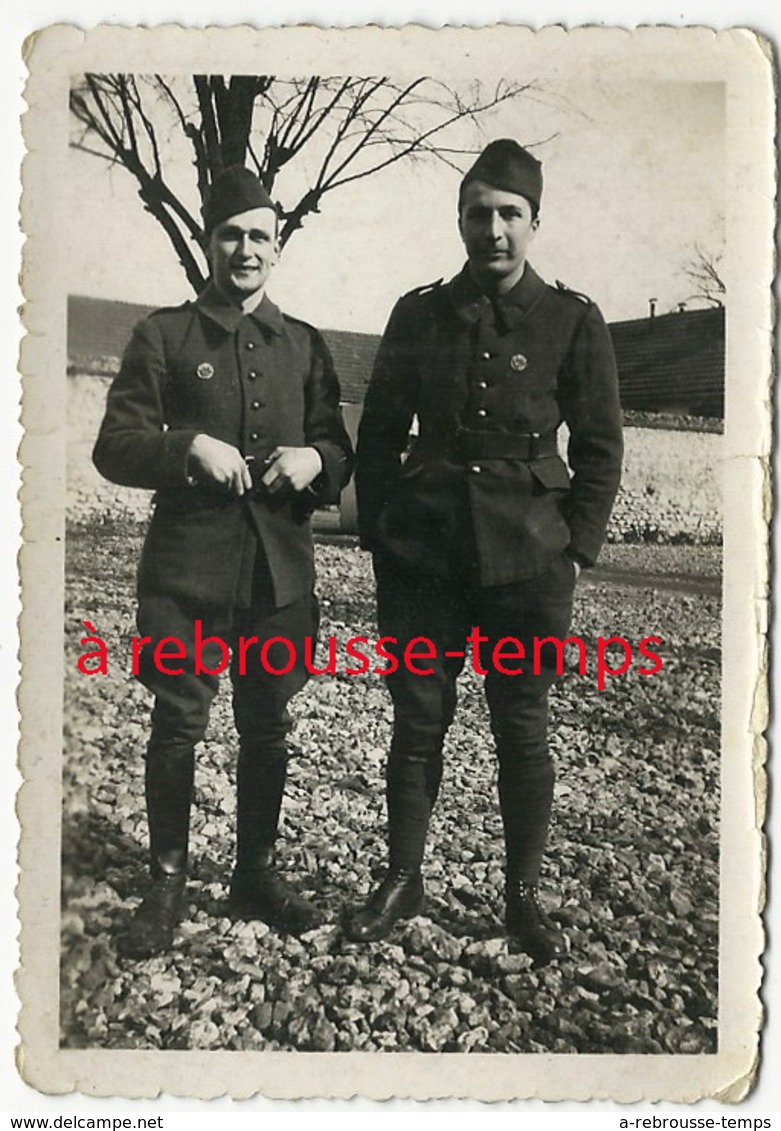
352	126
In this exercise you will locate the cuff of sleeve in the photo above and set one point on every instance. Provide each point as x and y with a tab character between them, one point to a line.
326	485
583	561
176	452
316	487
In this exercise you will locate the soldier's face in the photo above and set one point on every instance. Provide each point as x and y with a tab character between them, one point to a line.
242	251
497	228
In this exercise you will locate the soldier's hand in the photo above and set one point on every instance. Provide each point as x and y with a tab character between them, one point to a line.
221	463
292	469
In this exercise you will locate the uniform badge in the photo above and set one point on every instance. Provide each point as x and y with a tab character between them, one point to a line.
205	371
518	362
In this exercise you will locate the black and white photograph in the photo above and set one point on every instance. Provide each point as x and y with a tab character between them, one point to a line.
394	605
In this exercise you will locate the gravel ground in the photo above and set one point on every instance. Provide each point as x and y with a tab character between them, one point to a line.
670	561
631	874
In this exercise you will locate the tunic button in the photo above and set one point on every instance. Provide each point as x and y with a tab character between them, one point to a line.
482	412
256	404
482	384
476	468
252	374
254	436
250	345
485	355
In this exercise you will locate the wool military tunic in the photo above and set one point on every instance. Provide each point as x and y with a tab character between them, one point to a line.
490	383
255	381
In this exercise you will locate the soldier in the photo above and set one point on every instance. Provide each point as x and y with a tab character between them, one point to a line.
481	526
229	410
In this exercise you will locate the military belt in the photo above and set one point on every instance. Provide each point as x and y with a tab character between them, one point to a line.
471	444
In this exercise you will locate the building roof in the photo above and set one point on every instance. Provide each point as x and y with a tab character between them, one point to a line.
353	356
99	328
670	363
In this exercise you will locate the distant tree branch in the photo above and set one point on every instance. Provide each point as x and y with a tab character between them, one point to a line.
703	270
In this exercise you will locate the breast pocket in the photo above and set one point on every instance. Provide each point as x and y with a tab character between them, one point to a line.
202	389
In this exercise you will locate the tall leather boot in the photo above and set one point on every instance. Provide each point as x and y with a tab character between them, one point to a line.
412	785
400	896
257	890
169	786
527	924
526	780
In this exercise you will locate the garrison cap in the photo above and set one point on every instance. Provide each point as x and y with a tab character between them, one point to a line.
504	164
235	190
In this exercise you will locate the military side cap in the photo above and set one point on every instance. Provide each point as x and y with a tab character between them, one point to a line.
506	165
235	190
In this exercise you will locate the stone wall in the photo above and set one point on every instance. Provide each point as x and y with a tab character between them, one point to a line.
671	487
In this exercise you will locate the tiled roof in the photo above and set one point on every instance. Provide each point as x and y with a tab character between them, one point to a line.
673	362
353	356
100	328
670	363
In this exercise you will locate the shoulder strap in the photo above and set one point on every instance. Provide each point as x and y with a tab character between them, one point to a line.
575	294
427	288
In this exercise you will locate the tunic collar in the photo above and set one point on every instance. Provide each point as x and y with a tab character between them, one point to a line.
225	314
470	302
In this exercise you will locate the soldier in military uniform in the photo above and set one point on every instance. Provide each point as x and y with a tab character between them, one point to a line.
229	410
481	526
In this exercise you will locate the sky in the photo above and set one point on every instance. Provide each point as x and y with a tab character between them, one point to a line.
634	179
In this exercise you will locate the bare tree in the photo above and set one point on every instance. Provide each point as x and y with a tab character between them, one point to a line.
176	136
703	270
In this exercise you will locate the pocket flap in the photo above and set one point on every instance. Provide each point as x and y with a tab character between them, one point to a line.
551	472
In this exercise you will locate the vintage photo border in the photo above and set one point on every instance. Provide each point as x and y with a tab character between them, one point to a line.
736	58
